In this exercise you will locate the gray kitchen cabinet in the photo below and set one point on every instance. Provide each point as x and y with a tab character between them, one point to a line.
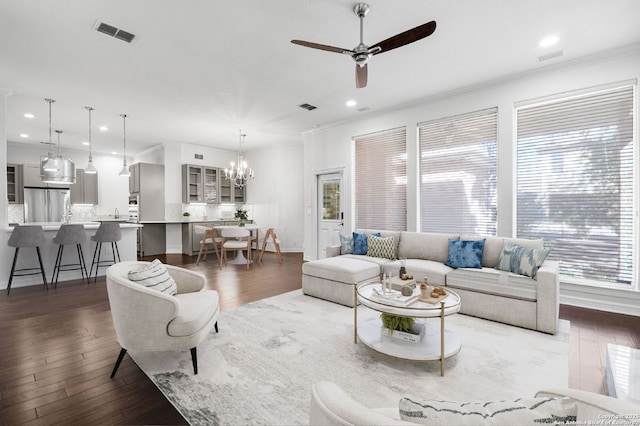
152	239
147	183
15	189
31	178
200	184
85	190
229	193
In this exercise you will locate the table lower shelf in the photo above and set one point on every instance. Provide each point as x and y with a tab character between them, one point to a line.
428	349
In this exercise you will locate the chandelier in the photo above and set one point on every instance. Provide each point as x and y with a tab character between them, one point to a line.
239	173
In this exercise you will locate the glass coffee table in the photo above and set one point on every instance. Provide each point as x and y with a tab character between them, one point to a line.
437	344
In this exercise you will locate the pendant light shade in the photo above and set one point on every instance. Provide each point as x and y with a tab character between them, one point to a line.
56	169
90	167
125	169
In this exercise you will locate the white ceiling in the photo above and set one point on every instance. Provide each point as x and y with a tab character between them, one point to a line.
199	70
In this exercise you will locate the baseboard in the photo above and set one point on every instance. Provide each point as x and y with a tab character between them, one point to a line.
620	301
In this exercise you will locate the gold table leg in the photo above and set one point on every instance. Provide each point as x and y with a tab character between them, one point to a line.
442	338
355	313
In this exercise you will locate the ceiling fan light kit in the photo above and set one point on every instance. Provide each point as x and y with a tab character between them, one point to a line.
362	53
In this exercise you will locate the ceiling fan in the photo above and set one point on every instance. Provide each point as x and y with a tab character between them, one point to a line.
362	53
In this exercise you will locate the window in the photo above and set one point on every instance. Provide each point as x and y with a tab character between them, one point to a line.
575	180
458	173
381	180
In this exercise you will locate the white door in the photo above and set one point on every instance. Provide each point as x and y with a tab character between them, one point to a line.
330	212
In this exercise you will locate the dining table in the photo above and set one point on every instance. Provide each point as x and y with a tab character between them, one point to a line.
253	231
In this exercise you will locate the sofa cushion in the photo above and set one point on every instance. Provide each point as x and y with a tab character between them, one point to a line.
346	244
425	245
344	269
377	260
522	411
465	253
360	245
494	281
521	260
380	247
434	272
154	276
194	312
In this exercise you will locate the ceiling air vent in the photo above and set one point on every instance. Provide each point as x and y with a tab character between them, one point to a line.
308	107
112	31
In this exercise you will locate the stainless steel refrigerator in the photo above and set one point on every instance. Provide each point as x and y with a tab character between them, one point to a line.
45	204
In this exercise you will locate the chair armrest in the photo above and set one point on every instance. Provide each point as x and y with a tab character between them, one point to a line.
187	281
592	406
548	296
333	251
330	405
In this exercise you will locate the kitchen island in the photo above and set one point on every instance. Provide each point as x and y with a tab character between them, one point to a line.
49	251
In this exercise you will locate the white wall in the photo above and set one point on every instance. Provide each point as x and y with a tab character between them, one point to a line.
329	148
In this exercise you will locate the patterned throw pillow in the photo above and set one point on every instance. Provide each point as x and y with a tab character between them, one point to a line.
154	276
346	244
523	411
521	260
381	247
360	243
465	253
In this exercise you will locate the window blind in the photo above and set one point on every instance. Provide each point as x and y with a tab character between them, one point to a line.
575	180
381	180
458	173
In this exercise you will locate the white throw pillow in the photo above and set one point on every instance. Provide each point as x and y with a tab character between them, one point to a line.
523	411
156	277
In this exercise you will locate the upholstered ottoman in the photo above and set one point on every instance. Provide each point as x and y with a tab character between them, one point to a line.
333	278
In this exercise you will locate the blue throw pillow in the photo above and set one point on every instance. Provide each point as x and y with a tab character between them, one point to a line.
465	253
346	244
360	245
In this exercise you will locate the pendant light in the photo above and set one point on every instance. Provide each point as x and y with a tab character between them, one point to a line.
125	169
90	167
47	164
56	169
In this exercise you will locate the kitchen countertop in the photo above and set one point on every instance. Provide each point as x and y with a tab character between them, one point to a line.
189	221
54	226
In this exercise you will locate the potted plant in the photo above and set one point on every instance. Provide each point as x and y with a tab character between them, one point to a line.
395	322
241	215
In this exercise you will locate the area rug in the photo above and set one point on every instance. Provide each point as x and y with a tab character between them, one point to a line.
260	367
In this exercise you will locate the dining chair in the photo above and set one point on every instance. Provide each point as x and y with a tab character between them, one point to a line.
233	239
210	237
271	232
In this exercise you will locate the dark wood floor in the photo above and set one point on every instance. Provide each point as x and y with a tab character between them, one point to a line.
57	347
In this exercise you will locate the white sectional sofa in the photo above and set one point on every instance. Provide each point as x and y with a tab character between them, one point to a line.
486	292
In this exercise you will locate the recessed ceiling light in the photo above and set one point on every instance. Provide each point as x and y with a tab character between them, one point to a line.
351	103
114	153
549	41
29	115
85	143
24	135
103	128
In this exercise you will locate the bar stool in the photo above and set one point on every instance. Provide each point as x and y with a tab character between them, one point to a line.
26	236
70	234
108	232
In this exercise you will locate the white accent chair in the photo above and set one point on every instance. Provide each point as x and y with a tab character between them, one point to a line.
331	405
149	320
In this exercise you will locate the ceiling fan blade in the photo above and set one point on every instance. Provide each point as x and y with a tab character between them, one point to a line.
361	76
409	36
322	47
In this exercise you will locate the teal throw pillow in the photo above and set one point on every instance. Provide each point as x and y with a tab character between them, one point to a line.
346	244
360	245
521	260
465	253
